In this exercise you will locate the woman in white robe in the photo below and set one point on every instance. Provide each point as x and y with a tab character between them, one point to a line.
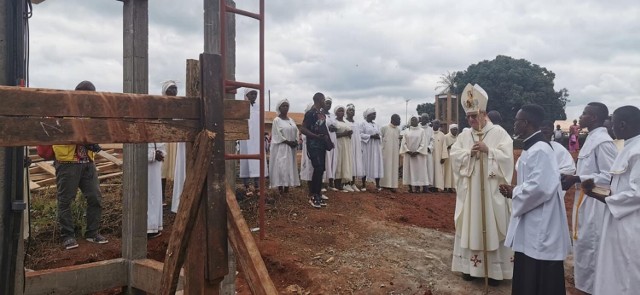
284	141
250	169
155	155
414	150
357	167
344	150
371	148
331	159
306	169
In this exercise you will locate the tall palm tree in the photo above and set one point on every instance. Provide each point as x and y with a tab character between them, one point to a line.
447	82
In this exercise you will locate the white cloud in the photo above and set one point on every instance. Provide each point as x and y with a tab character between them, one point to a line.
367	52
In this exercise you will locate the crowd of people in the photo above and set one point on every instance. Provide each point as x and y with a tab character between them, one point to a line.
351	152
520	231
502	231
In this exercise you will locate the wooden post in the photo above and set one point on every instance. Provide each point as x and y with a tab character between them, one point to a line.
136	69
216	211
194	266
212	45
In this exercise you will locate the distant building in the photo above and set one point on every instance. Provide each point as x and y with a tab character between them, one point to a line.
269	116
447	106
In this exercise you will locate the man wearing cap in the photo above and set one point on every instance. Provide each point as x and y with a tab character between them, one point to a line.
486	146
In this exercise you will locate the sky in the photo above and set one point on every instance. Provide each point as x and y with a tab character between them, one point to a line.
372	53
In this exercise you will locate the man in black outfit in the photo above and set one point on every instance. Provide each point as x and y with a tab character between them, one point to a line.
318	142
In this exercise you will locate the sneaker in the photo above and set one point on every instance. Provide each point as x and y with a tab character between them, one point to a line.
153	235
69	243
363	189
323	203
324	197
355	188
98	239
379	189
323	190
315	203
333	189
348	188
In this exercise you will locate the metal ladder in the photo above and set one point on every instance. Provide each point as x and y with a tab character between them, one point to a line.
231	86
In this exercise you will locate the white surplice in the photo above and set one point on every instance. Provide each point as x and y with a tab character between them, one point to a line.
449	180
179	175
306	169
414	169
429	134
331	159
564	158
437	153
371	150
498	169
390	155
538	226
251	168
357	167
154	187
283	168
344	153
618	266
594	162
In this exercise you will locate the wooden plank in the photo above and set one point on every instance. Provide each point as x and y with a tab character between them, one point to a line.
216	209
47	167
146	275
32	131
33	185
246	250
38	102
197	164
111	158
78	279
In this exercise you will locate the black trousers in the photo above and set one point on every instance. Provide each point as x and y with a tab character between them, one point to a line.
537	277
317	157
70	177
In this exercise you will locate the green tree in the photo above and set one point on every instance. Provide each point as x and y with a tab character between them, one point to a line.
511	83
427	107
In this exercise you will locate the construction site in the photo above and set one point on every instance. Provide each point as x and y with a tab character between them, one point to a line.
221	241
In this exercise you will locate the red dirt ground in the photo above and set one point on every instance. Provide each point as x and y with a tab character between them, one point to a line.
361	243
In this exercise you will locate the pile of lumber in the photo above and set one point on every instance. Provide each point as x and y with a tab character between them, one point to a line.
42	174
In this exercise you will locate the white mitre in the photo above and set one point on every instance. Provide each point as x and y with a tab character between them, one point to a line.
474	99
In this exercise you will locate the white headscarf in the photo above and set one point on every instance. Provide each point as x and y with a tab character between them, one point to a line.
247	90
452	126
328	98
351	107
279	104
335	110
368	111
167	84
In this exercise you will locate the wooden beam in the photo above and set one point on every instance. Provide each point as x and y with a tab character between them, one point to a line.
37	102
197	165
247	253
78	279
146	275
216	212
47	167
111	158
32	131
